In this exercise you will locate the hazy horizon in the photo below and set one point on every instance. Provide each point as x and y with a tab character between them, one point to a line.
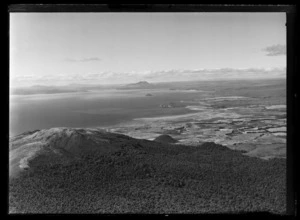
115	85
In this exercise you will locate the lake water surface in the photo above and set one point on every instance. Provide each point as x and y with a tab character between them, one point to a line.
92	109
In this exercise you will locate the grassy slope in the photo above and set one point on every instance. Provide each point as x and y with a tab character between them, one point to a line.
148	177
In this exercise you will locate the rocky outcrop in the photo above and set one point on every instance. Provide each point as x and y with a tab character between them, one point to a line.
171	105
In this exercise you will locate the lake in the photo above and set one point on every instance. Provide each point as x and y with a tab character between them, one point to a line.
92	109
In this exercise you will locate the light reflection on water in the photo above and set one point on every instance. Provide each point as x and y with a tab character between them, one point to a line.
91	109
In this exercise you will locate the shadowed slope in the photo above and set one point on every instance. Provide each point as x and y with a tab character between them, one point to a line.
165	139
57	145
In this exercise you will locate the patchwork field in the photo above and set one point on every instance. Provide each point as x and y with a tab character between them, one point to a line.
251	119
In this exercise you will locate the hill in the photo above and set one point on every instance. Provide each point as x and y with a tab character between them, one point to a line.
165	139
138	85
57	145
93	171
141	83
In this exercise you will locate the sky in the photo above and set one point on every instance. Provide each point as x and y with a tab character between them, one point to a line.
110	48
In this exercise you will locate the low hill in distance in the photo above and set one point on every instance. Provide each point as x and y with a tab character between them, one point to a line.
74	170
138	85
141	83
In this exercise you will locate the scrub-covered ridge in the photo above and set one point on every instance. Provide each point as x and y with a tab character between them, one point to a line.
68	170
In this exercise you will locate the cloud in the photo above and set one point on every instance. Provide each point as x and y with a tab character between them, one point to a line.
214	74
89	59
275	50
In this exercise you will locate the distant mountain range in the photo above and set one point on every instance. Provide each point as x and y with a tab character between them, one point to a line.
39	89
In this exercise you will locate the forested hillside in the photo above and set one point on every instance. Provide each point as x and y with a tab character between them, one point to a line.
142	176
